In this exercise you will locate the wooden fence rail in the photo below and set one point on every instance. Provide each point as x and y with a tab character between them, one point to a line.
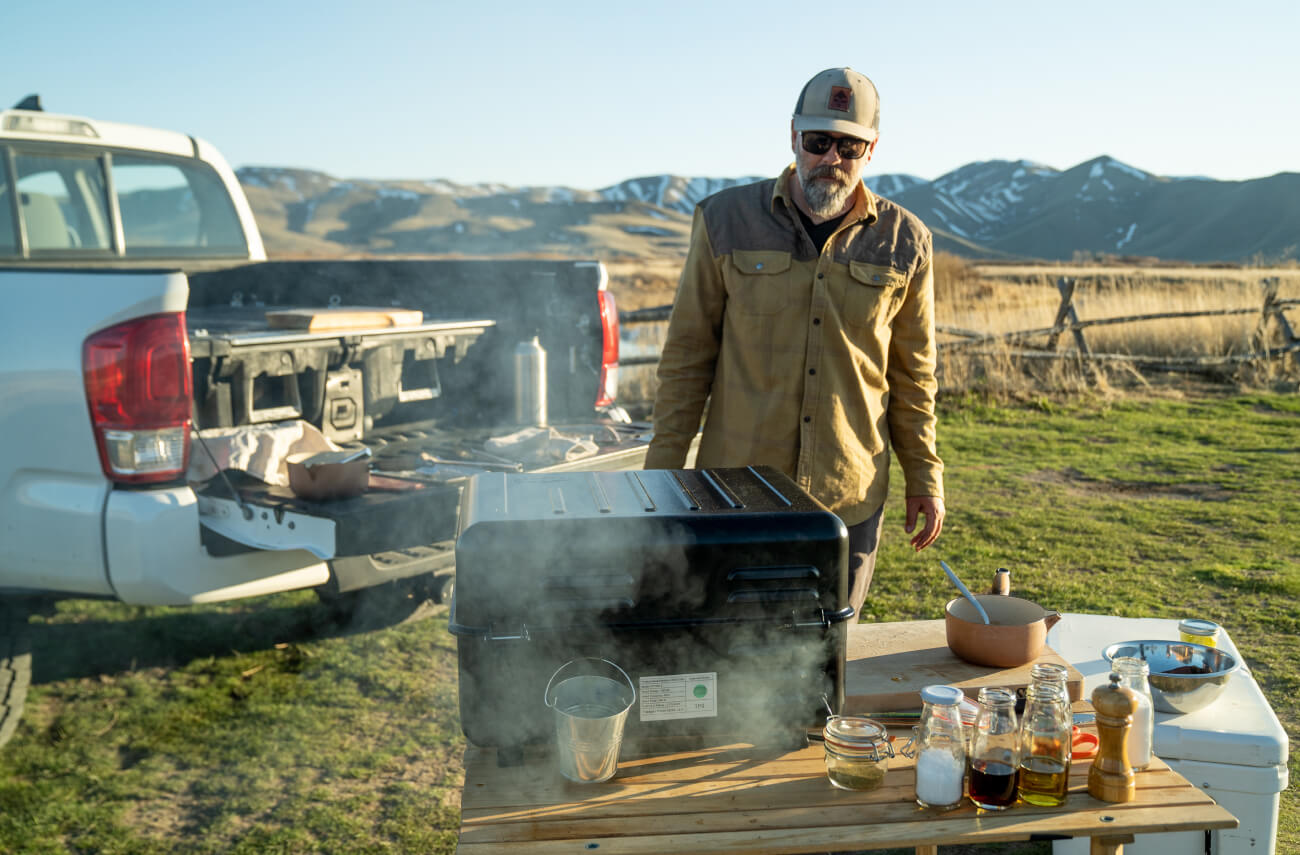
1271	314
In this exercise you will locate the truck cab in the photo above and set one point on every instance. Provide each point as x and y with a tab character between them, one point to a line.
91	192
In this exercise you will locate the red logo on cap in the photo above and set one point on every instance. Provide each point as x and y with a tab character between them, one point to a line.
841	98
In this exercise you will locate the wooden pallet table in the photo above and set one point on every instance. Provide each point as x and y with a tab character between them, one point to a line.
738	799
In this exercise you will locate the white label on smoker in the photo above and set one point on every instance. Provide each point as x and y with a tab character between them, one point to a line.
679	696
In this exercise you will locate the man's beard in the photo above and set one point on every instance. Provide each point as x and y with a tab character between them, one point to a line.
825	198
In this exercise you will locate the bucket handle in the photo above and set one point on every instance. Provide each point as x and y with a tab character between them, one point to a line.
546	694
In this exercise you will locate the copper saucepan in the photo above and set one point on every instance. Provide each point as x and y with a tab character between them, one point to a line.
1015	634
323	475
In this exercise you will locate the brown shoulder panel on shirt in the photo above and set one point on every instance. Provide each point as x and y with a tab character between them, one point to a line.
897	239
744	218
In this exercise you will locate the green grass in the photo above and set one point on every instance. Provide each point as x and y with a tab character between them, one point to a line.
260	727
239	728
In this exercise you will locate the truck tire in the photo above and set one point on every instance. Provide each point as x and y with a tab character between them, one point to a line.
15	665
387	588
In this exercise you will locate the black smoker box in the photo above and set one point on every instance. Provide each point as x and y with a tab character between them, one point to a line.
722	593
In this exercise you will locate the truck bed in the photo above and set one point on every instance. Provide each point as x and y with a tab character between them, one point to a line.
424	398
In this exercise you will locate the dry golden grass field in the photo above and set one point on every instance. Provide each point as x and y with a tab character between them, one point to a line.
993	299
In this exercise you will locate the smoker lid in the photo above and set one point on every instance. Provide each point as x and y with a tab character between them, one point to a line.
501	496
662	548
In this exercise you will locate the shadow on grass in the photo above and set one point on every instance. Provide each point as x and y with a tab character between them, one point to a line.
90	647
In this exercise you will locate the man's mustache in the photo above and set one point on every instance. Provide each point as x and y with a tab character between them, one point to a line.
829	171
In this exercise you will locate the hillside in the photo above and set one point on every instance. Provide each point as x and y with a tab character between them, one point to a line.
991	209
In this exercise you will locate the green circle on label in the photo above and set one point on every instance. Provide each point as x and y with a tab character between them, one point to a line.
701	690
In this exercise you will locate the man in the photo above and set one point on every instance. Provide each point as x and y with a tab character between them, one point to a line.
805	312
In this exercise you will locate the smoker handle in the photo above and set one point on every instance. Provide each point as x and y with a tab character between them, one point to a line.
826	618
840	616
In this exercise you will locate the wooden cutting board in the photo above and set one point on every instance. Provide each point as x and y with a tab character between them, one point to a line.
343	318
889	664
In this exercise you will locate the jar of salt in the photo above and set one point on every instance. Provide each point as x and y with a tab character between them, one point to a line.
940	749
1133	674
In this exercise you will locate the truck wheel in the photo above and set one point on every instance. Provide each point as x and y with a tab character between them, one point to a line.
15	666
443	589
388	587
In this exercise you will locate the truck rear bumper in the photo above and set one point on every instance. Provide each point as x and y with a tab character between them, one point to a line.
155	555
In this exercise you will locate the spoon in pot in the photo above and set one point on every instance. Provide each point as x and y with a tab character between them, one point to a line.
965	591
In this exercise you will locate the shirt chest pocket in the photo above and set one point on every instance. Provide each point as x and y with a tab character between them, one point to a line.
758	282
872	294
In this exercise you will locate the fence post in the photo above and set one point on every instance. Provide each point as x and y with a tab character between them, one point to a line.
1065	314
1272	311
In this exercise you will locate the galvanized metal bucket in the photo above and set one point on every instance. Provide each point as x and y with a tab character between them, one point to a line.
590	710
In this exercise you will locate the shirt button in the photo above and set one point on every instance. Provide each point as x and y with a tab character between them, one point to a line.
758	266
816	321
807	418
812	370
821	275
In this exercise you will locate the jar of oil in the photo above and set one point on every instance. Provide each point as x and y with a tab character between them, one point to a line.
1045	737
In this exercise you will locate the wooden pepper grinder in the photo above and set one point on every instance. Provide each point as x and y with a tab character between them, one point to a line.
1111	777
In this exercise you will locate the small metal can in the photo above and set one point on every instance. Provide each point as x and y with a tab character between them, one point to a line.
1197	631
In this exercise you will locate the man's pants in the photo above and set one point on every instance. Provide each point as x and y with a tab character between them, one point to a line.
863	540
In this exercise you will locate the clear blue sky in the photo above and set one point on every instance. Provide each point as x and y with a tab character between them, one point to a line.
586	94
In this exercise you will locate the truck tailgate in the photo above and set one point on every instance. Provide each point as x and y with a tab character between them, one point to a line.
406	505
381	519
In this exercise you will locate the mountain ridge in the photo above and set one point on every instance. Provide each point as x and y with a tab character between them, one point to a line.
1013	209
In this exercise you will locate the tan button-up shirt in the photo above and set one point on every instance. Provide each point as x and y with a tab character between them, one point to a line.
814	363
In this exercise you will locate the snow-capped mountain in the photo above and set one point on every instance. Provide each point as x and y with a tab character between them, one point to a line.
993	208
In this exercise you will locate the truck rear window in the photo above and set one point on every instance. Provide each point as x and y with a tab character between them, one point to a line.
165	207
169	206
62	202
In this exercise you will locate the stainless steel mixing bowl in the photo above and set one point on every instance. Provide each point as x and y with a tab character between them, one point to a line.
1184	677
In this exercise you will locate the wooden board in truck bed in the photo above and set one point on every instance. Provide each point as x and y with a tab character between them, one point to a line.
343	318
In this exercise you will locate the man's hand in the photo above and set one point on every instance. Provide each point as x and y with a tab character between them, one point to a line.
932	508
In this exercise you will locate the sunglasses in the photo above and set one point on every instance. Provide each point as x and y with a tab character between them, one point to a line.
850	148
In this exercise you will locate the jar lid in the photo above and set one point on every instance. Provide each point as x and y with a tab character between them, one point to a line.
855	730
1196	626
857	734
944	695
1133	664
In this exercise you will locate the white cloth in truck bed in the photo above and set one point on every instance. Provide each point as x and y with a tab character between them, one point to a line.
541	445
260	450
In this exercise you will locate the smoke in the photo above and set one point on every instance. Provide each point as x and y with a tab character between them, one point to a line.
710	611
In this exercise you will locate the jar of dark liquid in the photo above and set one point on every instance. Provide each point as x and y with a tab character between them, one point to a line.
995	751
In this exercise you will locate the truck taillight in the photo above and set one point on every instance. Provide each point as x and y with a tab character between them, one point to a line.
139	389
608	389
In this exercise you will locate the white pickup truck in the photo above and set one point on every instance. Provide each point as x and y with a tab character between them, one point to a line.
136	296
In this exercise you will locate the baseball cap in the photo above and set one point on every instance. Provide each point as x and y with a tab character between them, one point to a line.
839	100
